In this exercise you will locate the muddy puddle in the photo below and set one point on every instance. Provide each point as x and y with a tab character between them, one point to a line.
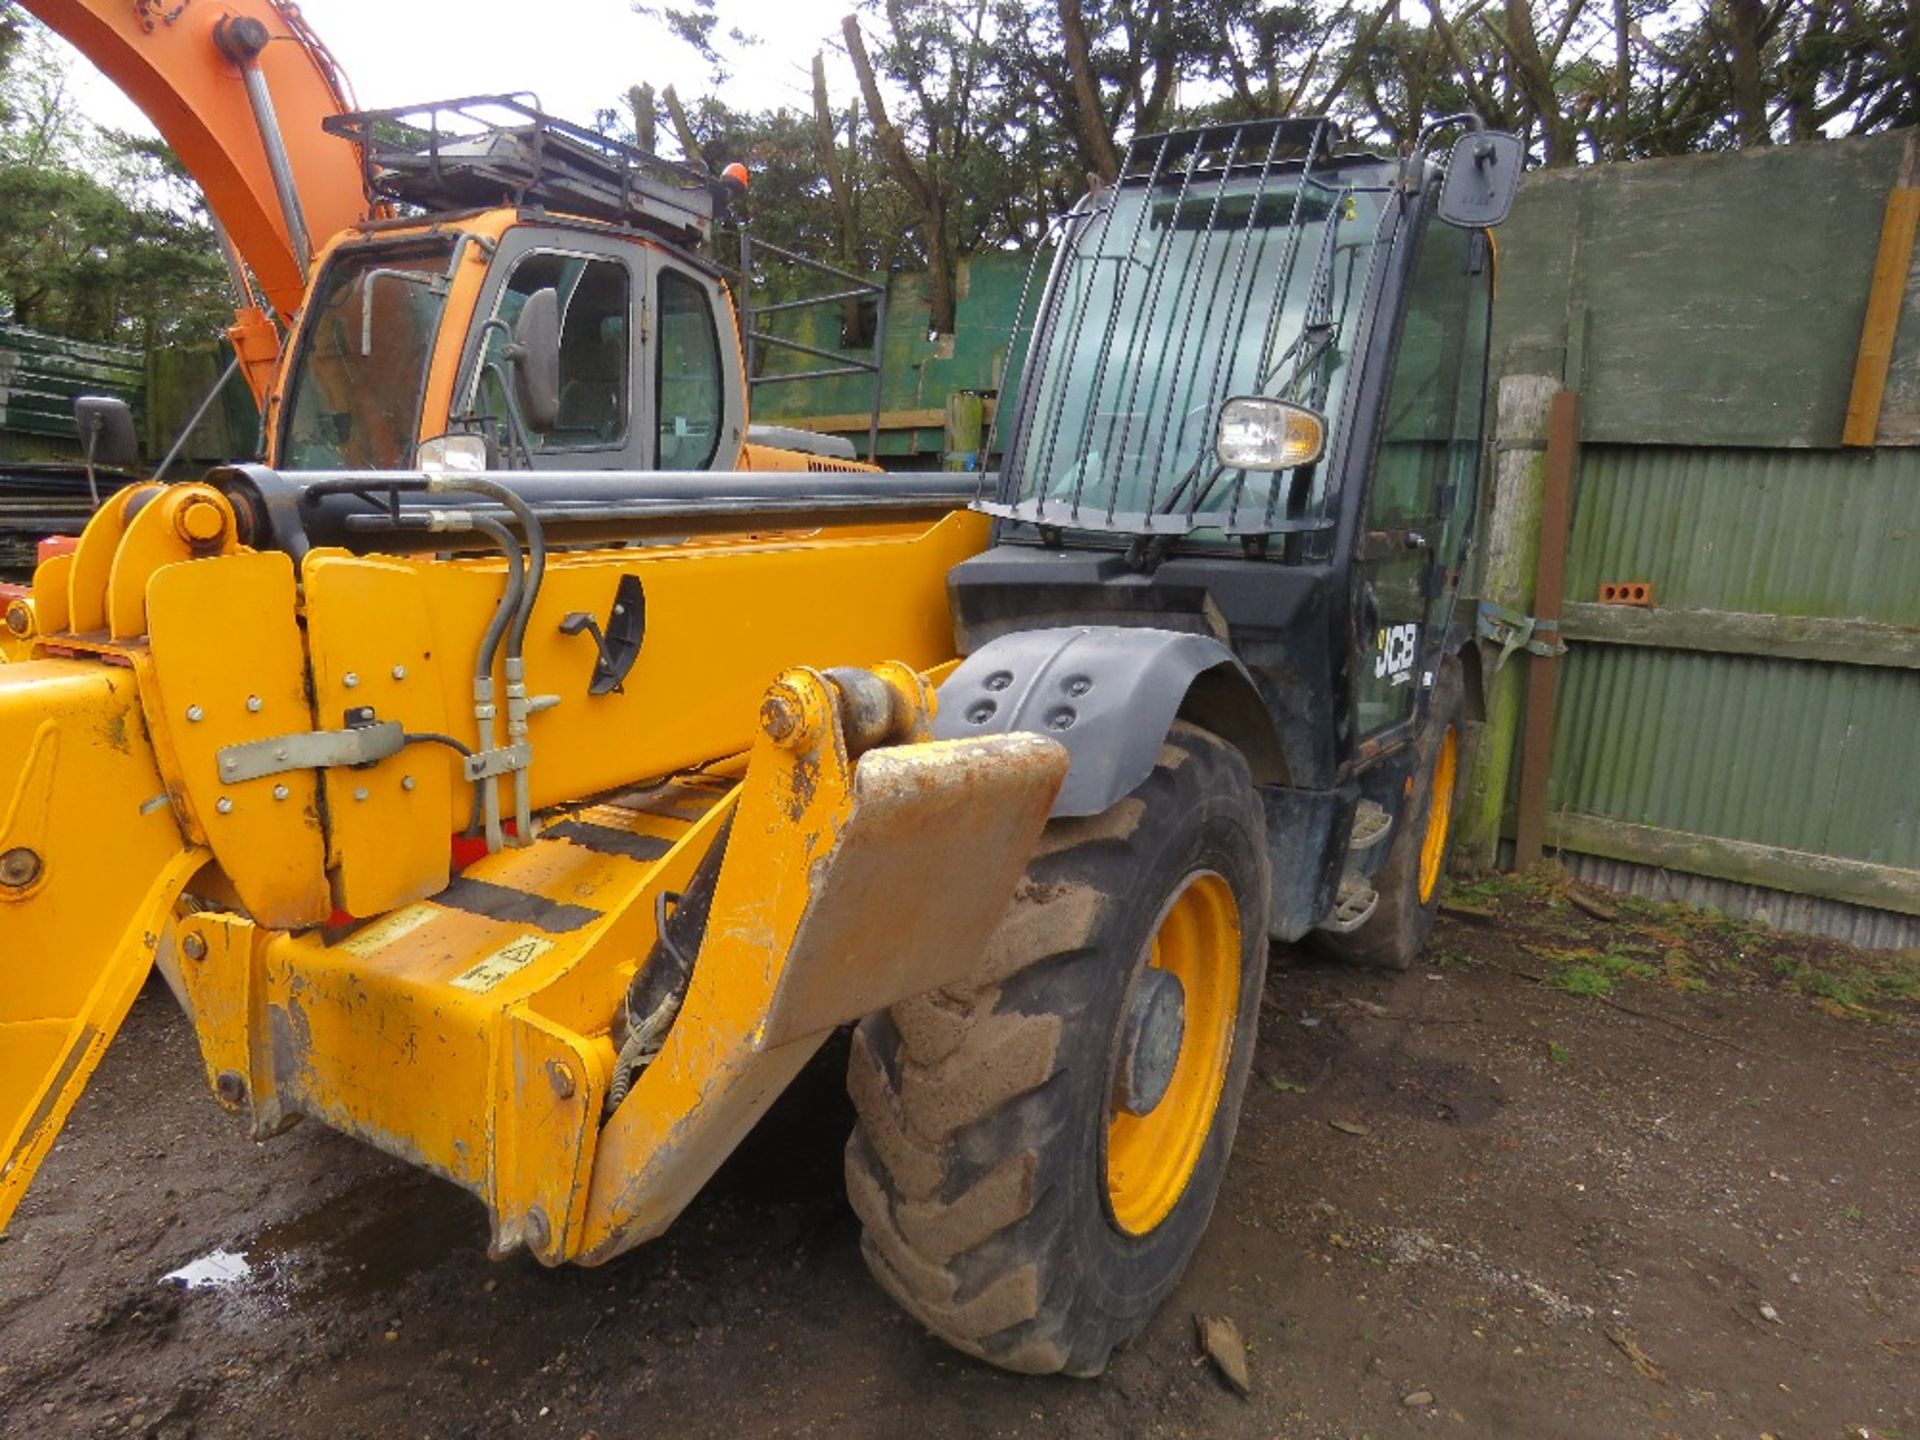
366	1242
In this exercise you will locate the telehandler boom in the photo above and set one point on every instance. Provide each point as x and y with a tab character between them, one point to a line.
1208	694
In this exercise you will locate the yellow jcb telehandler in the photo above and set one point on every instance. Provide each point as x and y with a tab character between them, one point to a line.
537	823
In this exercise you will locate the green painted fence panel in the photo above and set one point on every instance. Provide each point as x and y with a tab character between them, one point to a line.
918	370
1804	755
1783	532
41	375
1708	299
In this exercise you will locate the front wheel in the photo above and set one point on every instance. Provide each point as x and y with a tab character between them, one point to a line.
1038	1151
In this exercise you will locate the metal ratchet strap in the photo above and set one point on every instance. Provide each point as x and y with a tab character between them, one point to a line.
1511	630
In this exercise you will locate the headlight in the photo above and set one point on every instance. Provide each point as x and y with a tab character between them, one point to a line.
452	455
1258	433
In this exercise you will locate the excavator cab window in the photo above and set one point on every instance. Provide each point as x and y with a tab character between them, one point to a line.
687	379
596	308
353	402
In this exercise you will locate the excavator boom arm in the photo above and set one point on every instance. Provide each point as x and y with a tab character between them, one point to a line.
173	61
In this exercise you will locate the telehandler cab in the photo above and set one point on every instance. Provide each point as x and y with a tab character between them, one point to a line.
1209	697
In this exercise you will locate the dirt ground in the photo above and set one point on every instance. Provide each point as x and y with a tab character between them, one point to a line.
1647	1176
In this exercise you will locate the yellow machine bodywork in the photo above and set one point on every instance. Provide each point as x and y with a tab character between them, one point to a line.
335	961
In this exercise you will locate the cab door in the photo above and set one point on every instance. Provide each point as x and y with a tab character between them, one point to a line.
1417	519
605	417
697	385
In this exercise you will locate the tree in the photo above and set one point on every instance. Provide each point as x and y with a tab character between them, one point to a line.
974	122
940	54
102	235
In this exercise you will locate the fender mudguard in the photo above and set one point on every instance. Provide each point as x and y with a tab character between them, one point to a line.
1109	694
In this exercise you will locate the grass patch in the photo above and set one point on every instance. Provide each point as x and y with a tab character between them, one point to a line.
1593	972
1678	971
1488	892
1853	985
1558	1053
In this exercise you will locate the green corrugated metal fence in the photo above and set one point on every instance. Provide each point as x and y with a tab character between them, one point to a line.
39	377
1759	725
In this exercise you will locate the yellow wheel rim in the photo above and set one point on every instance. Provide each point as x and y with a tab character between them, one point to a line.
1151	1157
1433	845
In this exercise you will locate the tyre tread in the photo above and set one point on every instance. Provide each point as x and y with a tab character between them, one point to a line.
957	1102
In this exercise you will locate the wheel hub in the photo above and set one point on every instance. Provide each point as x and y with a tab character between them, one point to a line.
1155	1024
1175	1045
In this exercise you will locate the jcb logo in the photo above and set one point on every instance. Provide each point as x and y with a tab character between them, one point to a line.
1395	649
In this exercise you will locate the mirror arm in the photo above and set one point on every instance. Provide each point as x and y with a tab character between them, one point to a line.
498	369
94	428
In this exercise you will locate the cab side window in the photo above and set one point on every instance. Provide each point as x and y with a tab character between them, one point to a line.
596	352
1424	472
1432	430
687	384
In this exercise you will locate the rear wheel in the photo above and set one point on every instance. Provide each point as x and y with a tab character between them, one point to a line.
1039	1150
1409	883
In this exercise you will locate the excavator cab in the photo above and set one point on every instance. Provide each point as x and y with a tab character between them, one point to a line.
411	338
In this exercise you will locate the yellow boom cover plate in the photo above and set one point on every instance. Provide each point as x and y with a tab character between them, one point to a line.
91	858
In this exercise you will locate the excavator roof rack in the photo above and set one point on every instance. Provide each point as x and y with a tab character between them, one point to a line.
503	149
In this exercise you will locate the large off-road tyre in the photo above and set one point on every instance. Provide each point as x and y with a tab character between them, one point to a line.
1011	1204
1409	883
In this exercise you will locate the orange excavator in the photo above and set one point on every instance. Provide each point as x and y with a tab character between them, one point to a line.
384	261
239	92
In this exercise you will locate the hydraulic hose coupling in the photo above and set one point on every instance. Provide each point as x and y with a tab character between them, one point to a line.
518	709
485	713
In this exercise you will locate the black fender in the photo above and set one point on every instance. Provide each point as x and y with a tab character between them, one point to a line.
1109	694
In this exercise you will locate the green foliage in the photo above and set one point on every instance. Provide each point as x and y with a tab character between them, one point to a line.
1857	985
985	93
102	235
1593	972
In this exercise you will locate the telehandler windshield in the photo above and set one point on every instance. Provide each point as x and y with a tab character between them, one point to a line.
1208	278
353	400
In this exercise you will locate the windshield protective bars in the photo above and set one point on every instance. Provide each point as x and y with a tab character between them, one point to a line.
1170	294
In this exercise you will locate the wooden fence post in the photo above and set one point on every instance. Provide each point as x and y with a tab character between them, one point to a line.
1513	544
1549	590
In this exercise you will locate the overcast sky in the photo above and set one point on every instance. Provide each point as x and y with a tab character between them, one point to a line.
577	55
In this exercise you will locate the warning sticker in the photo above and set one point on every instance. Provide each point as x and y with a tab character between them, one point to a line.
382	933
509	959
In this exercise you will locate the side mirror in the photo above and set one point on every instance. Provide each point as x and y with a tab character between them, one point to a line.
105	424
1483	176
535	354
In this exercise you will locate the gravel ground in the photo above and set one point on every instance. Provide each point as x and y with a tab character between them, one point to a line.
1650	1175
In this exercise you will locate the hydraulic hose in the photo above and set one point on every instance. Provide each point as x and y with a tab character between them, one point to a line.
486	796
517	706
